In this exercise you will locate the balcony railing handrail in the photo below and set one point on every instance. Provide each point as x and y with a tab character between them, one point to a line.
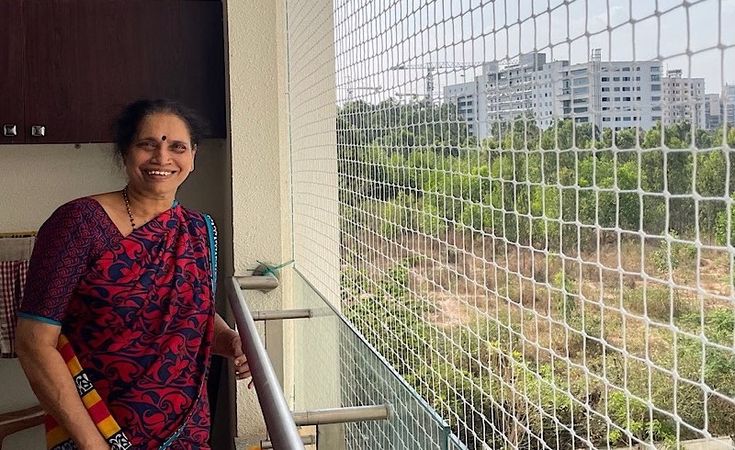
278	418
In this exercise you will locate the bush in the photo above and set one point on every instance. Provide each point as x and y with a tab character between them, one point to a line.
668	258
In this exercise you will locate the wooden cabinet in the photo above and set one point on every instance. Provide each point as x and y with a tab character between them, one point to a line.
83	60
12	114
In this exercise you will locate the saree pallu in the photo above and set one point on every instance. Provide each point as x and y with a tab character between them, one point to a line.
137	336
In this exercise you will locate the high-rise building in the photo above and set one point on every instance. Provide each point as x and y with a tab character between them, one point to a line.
470	105
728	104
527	87
612	94
522	87
683	99
712	111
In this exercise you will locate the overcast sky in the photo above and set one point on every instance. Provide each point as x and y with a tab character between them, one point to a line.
371	37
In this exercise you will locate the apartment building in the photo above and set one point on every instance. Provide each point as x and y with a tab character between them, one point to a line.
525	86
683	99
611	94
728	104
502	94
712	111
470	104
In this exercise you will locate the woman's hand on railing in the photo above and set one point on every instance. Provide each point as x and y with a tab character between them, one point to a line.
242	369
227	343
233	349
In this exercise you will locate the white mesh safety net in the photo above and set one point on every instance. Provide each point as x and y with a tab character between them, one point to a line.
528	209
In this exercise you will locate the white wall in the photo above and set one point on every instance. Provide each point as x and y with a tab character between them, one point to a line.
255	56
261	119
36	179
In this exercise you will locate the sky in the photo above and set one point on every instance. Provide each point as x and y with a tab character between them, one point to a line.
696	36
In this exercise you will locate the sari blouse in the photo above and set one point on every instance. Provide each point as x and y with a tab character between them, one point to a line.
138	312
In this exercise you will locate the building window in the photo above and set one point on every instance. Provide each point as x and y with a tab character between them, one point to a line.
655	87
655	78
616	78
606	89
655	98
605	99
605	78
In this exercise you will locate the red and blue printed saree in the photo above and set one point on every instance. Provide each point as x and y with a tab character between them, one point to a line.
137	320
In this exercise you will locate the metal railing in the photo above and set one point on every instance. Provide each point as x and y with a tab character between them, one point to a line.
278	418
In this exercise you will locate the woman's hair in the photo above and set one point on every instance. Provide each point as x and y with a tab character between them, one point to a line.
129	120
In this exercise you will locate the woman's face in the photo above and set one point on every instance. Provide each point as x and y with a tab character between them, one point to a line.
161	155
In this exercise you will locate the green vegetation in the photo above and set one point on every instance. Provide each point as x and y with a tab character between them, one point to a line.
530	186
409	170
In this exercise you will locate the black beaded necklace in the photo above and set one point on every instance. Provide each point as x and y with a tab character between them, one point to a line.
127	206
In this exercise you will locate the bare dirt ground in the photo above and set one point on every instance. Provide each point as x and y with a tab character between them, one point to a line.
611	291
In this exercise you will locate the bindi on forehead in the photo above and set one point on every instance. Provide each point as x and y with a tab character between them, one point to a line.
163	138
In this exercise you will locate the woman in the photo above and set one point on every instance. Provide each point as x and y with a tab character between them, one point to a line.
117	325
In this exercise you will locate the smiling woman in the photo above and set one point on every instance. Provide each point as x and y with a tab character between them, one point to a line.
118	324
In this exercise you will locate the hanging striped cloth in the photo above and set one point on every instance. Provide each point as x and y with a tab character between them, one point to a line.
12	282
15	251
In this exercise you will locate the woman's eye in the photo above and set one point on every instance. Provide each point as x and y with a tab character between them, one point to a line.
147	144
179	147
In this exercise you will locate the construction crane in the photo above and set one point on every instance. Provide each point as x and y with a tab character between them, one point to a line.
351	90
430	72
350	87
413	96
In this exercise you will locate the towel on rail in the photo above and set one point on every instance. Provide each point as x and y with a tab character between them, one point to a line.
16	249
12	283
14	255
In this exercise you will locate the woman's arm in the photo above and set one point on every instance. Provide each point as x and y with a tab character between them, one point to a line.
52	383
227	343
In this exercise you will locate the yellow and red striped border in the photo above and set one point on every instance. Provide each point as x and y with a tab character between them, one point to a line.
106	424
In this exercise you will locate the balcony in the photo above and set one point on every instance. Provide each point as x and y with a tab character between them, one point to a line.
348	396
523	286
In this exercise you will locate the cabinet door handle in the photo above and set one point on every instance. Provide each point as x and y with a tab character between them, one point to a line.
10	130
38	130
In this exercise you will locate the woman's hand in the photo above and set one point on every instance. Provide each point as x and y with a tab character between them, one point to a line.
242	369
227	343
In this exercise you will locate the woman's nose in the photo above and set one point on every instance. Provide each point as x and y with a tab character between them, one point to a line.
160	154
